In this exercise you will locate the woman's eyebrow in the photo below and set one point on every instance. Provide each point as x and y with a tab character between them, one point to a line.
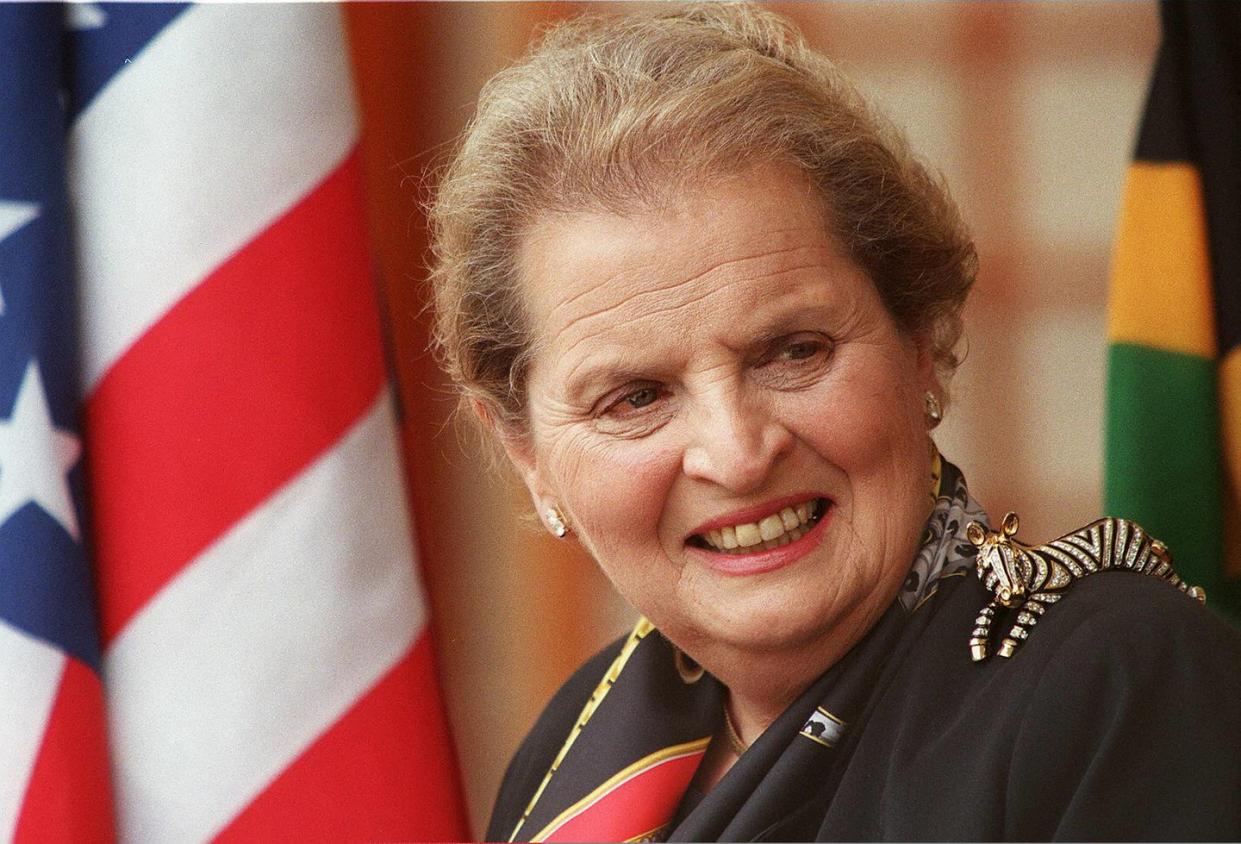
798	317
598	372
601	370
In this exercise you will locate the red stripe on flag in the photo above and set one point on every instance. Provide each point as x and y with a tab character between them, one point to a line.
69	798
239	386
384	771
637	806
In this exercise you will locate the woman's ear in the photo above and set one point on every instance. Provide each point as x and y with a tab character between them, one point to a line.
518	449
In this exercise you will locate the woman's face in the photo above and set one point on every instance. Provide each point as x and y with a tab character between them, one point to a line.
703	368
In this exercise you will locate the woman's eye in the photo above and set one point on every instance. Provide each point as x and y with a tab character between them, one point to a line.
796	360
801	350
633	400
641	398
635	411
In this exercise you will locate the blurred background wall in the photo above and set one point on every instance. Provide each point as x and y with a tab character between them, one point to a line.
1029	110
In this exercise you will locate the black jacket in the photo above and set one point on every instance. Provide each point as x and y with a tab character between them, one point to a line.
1119	718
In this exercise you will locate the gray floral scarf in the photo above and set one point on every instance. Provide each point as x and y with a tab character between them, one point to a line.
945	547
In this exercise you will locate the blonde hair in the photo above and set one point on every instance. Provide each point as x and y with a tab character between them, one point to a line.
619	113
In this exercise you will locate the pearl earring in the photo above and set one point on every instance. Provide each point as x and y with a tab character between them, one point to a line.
555	521
934	412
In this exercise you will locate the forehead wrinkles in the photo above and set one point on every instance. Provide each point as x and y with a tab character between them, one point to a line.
627	300
759	251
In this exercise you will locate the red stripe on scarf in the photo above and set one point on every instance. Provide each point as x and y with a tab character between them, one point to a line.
639	804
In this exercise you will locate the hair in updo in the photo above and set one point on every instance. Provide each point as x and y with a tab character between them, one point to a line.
619	113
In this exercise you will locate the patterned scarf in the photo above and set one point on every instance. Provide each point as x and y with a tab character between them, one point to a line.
624	769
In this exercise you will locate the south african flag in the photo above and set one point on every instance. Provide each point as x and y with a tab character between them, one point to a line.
1174	368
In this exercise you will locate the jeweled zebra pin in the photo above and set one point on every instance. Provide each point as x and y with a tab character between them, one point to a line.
1035	577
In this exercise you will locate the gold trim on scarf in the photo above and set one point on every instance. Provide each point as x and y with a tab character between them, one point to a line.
656	834
640	631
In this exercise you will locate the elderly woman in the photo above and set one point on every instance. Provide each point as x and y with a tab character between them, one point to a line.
708	302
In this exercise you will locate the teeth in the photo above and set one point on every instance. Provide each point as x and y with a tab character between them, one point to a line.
774	531
770	527
748	535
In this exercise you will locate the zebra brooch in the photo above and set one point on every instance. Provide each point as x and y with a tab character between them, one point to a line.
1035	577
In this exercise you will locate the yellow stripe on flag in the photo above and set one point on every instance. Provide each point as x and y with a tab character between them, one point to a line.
1161	275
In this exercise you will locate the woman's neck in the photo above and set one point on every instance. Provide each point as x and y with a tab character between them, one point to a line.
741	725
762	684
749	717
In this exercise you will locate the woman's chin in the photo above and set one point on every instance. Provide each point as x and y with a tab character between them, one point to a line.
799	610
785	617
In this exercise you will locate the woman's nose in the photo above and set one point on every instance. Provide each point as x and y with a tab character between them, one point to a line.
735	446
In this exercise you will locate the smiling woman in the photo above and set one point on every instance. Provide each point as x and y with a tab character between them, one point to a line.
707	365
707	303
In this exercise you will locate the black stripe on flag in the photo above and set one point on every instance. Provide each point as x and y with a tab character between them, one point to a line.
1194	115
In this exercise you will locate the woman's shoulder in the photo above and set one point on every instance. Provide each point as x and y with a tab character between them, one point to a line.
1136	713
1118	716
1125	649
1126	620
1116	626
538	750
1116	614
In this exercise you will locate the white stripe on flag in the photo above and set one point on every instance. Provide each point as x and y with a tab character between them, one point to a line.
264	641
221	124
32	672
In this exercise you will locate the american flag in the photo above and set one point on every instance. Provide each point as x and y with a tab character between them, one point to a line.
215	569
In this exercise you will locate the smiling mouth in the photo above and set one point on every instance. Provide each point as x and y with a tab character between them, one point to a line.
788	525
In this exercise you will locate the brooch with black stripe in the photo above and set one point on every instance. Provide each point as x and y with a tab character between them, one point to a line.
1033	578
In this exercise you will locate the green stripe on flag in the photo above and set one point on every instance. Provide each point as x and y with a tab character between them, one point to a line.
1163	455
